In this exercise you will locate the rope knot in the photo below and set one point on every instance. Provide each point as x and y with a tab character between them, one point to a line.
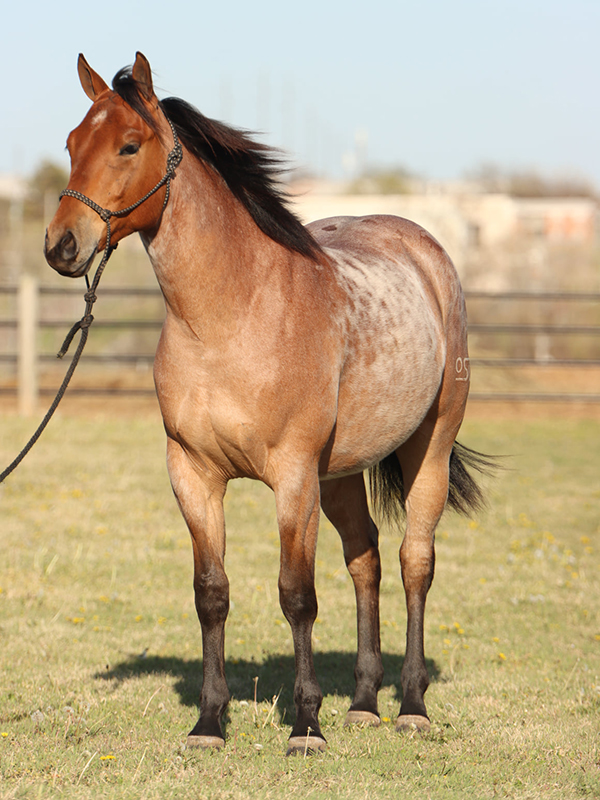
90	297
86	321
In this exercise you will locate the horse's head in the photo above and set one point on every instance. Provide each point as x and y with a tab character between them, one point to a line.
117	155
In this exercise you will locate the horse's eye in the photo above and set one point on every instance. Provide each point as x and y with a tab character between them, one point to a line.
129	149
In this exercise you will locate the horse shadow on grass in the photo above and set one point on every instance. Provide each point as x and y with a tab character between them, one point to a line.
275	674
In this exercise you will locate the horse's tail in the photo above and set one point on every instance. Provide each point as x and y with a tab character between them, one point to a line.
464	494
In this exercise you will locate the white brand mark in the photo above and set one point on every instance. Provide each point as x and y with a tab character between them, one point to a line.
462	369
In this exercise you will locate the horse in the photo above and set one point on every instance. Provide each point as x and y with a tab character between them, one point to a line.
299	356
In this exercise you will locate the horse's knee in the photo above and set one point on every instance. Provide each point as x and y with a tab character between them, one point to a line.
298	602
211	591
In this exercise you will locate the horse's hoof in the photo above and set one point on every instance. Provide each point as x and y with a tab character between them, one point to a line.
204	742
305	745
362	718
412	722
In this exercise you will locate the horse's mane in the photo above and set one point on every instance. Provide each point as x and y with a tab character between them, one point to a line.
249	168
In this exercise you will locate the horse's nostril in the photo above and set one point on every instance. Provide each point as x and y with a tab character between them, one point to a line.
68	246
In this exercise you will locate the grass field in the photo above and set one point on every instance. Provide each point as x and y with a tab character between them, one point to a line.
100	647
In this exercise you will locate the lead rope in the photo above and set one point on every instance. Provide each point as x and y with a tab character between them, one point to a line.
83	325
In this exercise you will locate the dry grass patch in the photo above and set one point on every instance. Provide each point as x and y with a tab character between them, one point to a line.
101	655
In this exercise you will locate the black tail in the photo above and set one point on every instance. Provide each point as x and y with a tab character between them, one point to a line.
464	495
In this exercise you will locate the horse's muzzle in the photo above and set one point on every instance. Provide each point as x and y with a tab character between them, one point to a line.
66	257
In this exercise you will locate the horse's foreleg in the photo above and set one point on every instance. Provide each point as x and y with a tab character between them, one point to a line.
298	519
200	498
344	502
425	473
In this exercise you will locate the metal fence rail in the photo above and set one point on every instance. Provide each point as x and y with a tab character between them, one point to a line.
493	327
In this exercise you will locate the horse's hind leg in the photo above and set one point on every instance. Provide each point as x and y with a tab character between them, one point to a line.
424	460
344	502
201	502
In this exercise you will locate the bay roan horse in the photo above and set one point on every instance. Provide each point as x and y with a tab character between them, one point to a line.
298	356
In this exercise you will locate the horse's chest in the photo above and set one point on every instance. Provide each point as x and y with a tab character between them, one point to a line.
211	426
225	410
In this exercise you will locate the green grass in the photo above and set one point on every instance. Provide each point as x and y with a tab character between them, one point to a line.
100	647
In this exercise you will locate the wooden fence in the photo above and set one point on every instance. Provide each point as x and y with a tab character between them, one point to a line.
499	339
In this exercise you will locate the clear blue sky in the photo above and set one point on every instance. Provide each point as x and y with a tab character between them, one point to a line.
439	85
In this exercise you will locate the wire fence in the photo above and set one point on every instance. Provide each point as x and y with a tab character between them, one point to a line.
535	334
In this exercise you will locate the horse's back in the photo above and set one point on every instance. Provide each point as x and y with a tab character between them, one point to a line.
379	238
400	263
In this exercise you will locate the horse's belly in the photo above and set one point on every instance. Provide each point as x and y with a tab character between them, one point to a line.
377	417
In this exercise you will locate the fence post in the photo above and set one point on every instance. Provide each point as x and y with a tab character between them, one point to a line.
27	345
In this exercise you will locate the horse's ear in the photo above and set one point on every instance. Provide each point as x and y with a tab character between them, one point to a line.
142	75
92	83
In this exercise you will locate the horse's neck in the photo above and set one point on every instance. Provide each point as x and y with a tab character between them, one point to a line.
207	253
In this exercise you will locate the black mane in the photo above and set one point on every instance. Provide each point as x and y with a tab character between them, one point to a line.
249	168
